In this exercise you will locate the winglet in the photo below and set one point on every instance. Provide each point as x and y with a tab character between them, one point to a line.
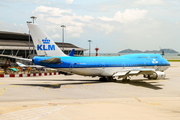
72	52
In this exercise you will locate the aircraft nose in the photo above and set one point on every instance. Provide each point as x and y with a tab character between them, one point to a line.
169	64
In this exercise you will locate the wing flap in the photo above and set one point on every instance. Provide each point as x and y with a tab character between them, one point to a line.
134	72
120	74
144	69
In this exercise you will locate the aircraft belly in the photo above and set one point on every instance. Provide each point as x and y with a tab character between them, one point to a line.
106	71
84	71
111	70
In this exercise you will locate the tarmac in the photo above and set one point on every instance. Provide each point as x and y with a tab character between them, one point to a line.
76	97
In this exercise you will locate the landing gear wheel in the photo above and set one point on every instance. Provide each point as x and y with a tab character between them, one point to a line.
103	79
111	79
149	77
126	80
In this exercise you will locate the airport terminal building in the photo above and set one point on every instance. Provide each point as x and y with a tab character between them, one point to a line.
17	44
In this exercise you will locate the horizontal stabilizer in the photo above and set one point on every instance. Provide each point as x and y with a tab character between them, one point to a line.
20	64
15	57
51	61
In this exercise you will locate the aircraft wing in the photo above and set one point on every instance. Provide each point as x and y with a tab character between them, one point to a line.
18	58
131	72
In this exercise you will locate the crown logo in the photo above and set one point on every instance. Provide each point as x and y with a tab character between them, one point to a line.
46	41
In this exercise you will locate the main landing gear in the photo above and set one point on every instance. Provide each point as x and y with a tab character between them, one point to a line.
111	79
103	79
126	80
107	79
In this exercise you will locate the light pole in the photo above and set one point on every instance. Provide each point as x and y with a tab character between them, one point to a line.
29	39
63	26
34	18
89	47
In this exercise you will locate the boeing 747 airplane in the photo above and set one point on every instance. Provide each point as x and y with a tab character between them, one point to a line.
152	66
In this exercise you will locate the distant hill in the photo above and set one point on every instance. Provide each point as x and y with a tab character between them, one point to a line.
148	51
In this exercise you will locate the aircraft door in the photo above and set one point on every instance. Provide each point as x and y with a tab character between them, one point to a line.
71	66
123	65
103	65
144	63
160	65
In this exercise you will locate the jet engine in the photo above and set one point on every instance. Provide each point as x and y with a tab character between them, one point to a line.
156	75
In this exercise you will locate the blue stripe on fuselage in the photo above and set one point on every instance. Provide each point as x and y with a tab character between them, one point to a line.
131	60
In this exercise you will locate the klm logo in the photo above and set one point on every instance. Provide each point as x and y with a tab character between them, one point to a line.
154	61
46	45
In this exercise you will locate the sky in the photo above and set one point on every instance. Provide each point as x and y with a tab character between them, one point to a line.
112	25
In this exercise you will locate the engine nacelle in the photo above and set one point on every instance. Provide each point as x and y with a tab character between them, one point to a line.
160	75
156	75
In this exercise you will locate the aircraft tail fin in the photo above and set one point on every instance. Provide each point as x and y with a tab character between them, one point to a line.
44	45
